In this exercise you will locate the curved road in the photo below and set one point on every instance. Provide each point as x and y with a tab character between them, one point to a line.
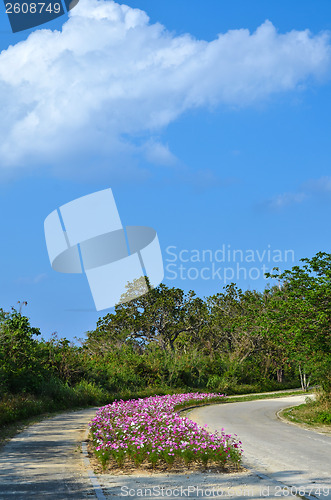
44	460
285	453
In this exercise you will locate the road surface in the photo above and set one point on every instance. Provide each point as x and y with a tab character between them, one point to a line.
286	453
44	461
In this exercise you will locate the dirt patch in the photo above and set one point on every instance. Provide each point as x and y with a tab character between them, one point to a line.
178	467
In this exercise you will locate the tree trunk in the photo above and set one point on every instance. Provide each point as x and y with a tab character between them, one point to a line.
303	379
280	375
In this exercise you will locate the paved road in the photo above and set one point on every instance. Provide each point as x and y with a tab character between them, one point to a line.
286	453
44	460
41	462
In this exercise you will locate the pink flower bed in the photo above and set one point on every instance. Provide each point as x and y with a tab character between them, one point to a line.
150	429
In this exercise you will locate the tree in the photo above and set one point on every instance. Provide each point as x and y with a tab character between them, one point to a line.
300	315
19	352
234	321
159	317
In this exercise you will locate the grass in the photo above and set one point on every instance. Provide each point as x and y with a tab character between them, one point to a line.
19	407
313	414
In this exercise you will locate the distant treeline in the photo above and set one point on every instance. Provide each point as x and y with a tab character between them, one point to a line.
171	341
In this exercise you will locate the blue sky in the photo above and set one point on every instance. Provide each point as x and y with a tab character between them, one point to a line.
215	130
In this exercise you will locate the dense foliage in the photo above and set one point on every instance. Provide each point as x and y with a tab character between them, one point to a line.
169	341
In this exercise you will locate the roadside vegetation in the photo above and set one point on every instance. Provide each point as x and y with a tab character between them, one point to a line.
171	342
314	413
148	431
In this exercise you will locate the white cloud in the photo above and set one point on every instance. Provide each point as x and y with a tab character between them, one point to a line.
319	186
34	280
158	153
311	189
92	92
281	201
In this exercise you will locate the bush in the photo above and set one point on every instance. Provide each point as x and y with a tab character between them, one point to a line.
19	407
324	417
87	393
54	395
